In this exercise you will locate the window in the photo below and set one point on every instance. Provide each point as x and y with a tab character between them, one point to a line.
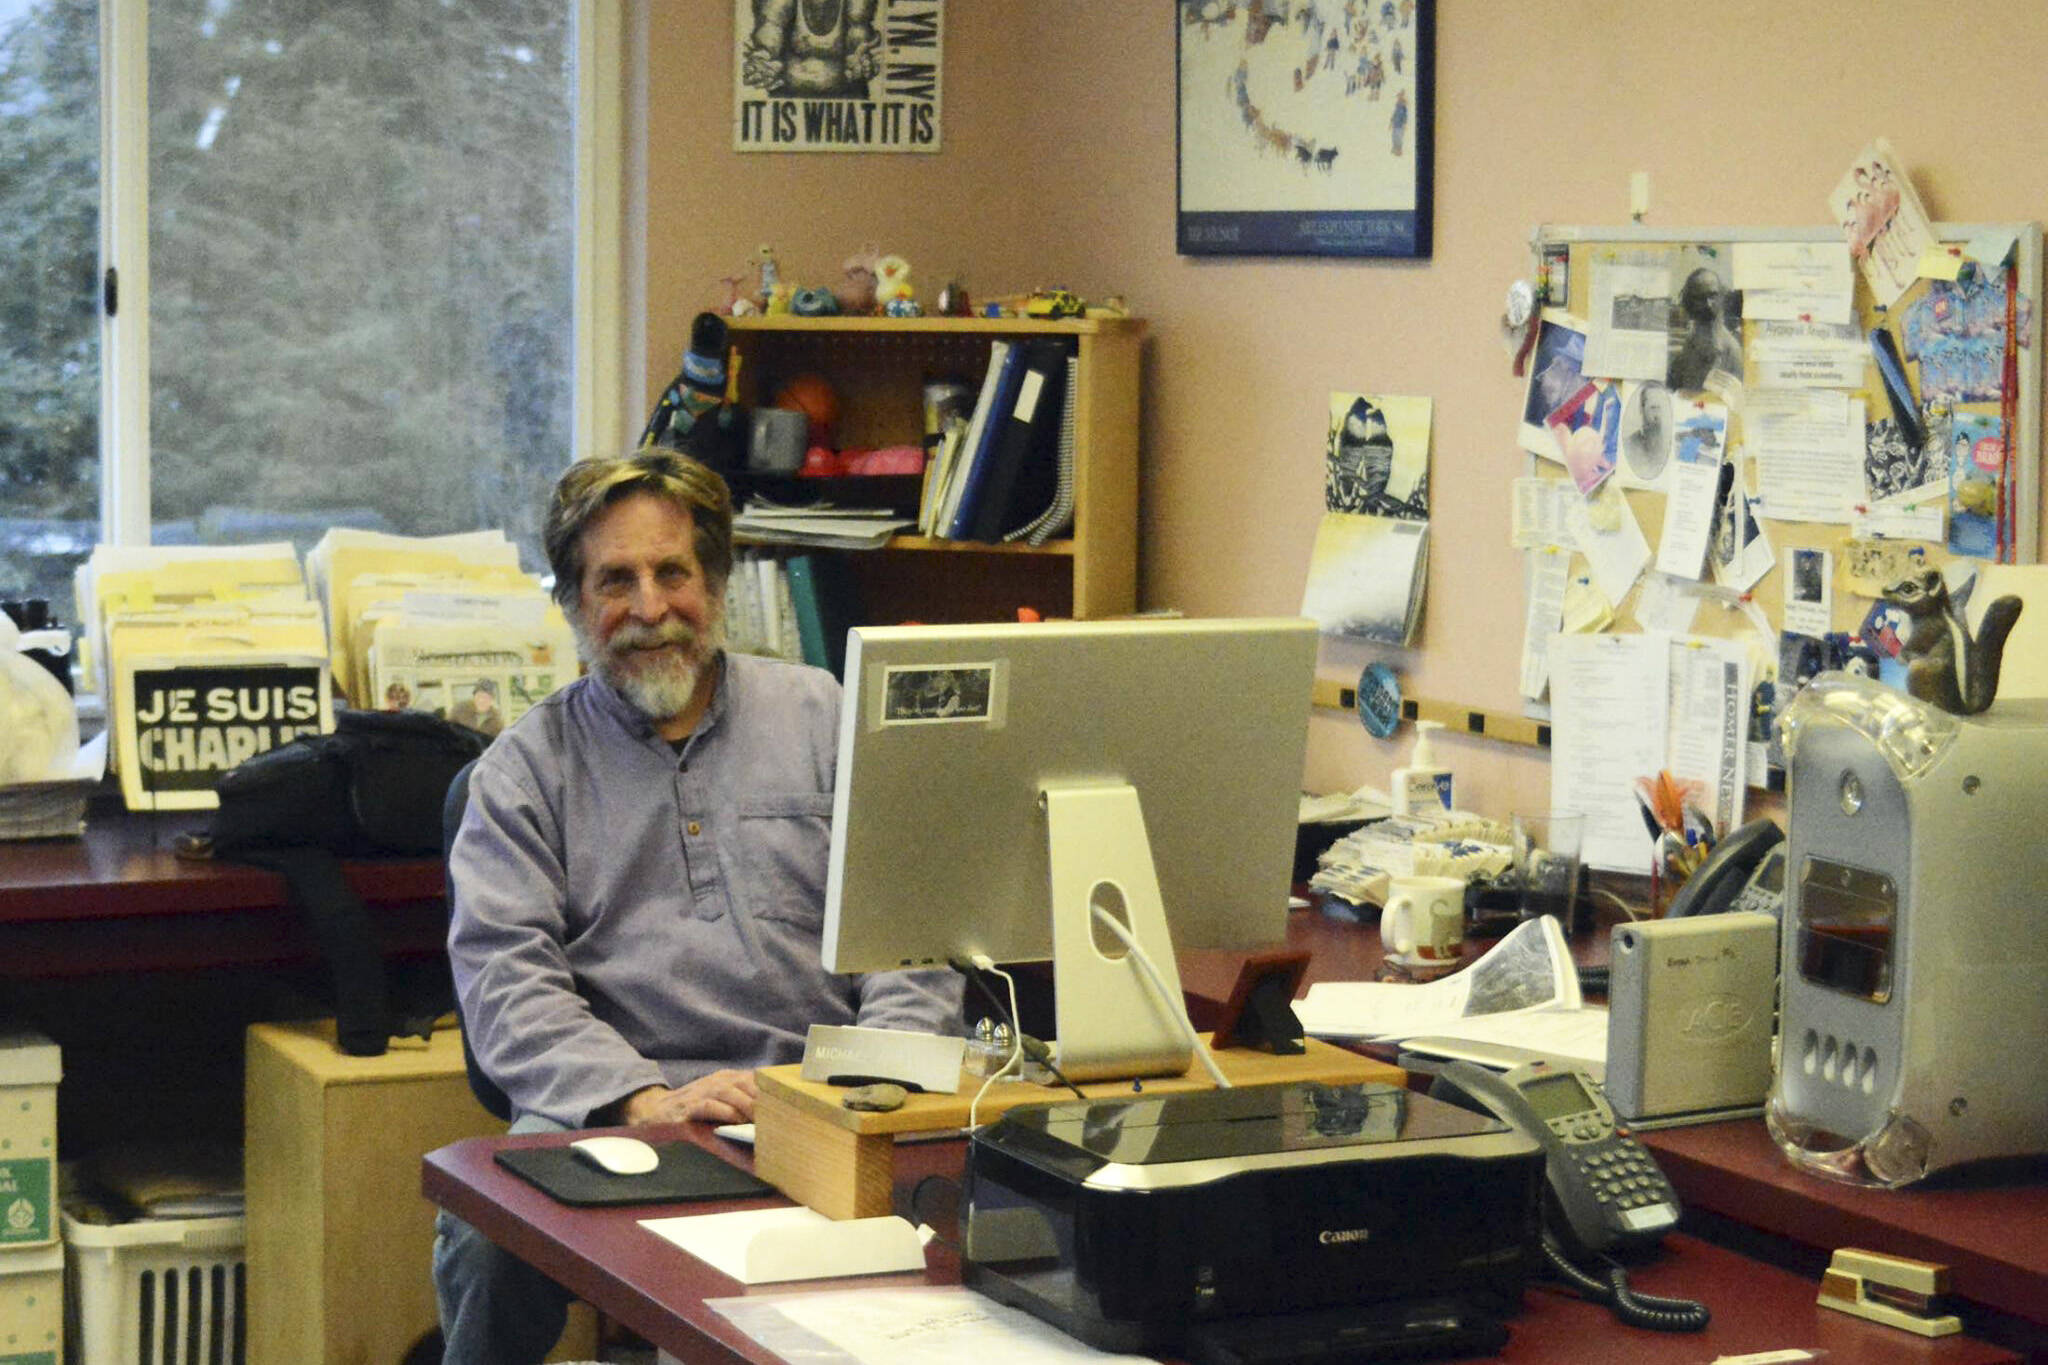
346	250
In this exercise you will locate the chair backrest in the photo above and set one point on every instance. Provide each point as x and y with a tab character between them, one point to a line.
482	1086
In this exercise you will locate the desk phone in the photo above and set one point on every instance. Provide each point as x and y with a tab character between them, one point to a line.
1604	1194
1604	1190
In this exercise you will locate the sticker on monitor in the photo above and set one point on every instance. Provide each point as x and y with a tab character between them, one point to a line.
935	694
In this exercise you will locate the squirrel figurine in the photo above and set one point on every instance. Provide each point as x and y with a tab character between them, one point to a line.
1944	664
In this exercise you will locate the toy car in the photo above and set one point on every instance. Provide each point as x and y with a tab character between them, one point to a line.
1053	303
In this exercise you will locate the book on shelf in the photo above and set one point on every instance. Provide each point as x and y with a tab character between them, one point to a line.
1057	514
1020	462
975	478
823	600
998	391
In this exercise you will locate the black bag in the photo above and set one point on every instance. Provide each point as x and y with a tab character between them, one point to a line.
372	788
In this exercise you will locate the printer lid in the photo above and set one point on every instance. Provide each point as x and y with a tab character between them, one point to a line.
1152	1142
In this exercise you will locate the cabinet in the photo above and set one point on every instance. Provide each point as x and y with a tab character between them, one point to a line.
878	366
340	1245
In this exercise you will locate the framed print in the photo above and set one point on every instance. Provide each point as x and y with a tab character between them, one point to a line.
1305	127
837	75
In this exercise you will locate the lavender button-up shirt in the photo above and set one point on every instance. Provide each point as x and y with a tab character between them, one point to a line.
625	917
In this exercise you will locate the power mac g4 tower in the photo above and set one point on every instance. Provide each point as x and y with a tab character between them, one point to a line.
1915	953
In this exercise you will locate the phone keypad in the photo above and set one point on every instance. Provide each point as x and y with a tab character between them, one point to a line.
1621	1174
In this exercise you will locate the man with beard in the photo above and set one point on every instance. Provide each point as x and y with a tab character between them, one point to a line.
638	883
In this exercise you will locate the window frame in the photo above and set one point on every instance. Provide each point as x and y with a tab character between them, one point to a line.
598	347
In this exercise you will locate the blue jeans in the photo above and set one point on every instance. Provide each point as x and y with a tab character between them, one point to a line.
495	1308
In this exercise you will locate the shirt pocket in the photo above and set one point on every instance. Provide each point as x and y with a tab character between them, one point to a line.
785	845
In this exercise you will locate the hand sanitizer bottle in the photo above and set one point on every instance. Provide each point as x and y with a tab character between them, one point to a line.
1422	787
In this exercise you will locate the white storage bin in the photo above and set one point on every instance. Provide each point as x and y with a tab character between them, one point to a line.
157	1292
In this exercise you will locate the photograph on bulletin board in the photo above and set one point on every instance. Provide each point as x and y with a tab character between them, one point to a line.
1305	127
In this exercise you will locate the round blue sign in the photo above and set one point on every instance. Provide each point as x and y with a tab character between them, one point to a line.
1379	700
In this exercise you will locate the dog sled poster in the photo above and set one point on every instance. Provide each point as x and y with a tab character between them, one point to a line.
1305	127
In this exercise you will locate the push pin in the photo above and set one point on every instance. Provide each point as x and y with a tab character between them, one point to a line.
1888	1289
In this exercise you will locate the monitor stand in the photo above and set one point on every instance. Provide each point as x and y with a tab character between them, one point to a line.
1112	1022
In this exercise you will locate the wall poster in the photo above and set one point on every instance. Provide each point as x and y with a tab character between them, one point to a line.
1305	127
836	75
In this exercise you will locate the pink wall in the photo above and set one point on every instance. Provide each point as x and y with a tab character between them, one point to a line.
1059	167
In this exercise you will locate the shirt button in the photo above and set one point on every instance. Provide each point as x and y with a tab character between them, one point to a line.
695	829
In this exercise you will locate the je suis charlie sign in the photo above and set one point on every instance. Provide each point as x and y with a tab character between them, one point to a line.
836	75
181	725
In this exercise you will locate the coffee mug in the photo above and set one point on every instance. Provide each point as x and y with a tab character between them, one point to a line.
778	439
1423	924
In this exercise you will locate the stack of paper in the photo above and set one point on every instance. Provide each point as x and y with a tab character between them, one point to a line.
831	528
207	655
144	578
481	657
361	576
1525	990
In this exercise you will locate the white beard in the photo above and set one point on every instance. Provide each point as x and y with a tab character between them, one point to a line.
658	683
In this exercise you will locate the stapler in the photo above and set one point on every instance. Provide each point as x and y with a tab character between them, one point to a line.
1888	1289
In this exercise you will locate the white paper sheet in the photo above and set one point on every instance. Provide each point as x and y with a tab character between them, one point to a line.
1709	720
1691	487
1576	1036
1542	514
1797	305
761	1246
1792	265
1807	355
1916	514
1616	555
1528	971
1609	705
1808	445
1667	604
1629	322
933	1325
1547	572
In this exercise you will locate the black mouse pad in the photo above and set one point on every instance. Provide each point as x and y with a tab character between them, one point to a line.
686	1172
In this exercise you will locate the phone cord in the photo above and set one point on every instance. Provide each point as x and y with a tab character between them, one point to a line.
1635	1310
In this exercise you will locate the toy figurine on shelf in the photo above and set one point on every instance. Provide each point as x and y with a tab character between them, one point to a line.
892	284
737	305
814	303
779	299
771	275
856	292
953	301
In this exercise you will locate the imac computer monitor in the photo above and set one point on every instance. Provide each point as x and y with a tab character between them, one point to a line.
1002	788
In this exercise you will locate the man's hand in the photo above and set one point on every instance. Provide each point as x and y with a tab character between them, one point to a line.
721	1097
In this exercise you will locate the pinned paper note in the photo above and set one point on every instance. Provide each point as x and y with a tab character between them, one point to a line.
1882	220
1809	593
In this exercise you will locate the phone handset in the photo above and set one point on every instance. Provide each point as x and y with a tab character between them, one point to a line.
1603	1192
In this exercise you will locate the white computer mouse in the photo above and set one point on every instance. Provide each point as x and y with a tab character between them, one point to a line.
617	1155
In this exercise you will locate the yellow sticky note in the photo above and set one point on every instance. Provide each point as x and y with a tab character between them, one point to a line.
1940	262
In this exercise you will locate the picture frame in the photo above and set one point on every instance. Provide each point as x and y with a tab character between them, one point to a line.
1299	132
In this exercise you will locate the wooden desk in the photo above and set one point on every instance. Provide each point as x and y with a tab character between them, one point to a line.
661	1292
57	897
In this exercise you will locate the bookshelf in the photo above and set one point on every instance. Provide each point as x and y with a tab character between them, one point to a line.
877	367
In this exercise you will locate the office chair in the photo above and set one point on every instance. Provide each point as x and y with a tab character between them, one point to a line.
482	1086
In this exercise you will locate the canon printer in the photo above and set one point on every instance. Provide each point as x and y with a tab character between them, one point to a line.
1127	1222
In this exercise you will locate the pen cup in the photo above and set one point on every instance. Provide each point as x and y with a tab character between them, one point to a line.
1547	864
